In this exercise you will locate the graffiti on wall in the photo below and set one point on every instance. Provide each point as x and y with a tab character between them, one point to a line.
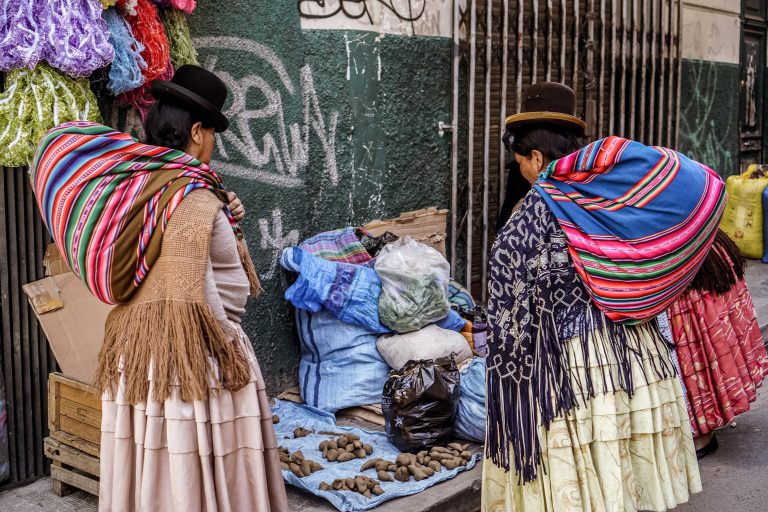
282	154
705	129
410	17
261	144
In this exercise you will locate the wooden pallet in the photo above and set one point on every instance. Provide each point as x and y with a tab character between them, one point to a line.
71	469
74	413
369	413
74	421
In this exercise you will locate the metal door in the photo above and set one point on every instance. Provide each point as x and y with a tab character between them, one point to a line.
620	56
753	40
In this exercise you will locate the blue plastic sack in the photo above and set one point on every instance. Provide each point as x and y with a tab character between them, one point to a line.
470	413
452	322
340	366
350	292
295	415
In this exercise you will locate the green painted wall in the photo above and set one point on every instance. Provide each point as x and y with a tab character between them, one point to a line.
709	114
328	128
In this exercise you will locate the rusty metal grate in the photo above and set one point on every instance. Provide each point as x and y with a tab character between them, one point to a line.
26	358
620	56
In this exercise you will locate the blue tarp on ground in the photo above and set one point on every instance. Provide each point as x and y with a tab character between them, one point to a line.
294	415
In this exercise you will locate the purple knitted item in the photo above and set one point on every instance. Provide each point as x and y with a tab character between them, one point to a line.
69	34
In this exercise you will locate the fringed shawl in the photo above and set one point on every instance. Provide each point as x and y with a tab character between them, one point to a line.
537	303
639	221
167	336
106	199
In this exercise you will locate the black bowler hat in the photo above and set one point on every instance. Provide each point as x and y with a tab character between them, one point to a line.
198	89
548	103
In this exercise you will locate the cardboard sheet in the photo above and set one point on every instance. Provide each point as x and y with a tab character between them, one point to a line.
72	318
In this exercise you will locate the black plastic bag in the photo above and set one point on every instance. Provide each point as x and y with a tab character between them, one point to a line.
419	403
374	244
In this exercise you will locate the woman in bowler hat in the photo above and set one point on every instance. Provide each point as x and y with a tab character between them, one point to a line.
213	454
614	451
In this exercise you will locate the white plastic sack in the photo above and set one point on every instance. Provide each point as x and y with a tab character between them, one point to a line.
431	342
414	285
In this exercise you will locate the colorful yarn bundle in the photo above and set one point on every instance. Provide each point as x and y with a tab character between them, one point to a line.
148	31
33	102
69	34
176	29
125	74
76	37
20	43
106	4
128	7
185	5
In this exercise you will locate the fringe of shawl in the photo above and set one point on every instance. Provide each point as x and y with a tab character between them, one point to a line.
516	409
183	344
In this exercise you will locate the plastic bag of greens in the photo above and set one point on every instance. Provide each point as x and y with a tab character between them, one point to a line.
414	285
419	403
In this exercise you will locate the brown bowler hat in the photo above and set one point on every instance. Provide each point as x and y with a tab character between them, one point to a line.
548	103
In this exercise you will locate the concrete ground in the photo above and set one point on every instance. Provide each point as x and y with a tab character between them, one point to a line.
735	478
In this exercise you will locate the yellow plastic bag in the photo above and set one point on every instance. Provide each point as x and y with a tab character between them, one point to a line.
743	218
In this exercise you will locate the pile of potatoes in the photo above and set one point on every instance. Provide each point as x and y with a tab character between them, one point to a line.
296	463
360	484
345	448
422	465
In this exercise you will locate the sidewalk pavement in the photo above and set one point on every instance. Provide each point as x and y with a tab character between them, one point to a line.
735	478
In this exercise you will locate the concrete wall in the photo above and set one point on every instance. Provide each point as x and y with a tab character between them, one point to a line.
710	83
333	122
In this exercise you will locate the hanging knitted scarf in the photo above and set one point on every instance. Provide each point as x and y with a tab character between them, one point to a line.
148	31
184	5
33	102
68	34
125	74
639	222
177	31
106	4
106	200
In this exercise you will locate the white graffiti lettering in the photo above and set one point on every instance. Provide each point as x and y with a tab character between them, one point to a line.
272	239
284	150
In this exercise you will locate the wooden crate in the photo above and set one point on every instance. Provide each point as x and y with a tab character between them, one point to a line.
74	413
71	469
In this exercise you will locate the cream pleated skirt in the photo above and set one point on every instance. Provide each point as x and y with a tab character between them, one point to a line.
211	455
616	454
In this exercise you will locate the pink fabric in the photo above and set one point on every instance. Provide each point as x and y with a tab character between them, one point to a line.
722	355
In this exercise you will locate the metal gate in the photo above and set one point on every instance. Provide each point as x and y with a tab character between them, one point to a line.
620	56
26	359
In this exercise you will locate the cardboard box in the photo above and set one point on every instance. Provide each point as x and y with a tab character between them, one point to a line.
427	226
72	318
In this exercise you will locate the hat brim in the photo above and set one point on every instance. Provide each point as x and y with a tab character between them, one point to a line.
163	89
556	118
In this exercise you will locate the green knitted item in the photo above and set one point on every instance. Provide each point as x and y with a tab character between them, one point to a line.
105	4
177	31
34	101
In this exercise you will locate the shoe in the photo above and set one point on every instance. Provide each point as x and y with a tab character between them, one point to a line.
708	449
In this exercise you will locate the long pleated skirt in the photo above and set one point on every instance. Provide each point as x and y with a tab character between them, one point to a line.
211	455
616	454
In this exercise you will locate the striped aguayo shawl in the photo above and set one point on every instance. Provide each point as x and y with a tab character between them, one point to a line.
639	221
106	199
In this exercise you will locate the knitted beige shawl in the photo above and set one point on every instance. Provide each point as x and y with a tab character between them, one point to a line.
168	328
